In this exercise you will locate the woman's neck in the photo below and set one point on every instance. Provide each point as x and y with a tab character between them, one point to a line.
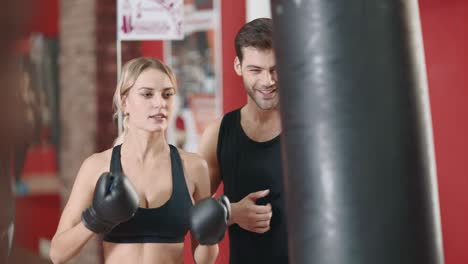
142	145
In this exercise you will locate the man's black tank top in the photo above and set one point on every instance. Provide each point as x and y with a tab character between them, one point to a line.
248	166
165	224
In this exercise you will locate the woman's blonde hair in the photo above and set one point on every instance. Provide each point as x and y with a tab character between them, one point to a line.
130	72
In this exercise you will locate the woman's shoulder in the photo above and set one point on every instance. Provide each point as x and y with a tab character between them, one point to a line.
97	162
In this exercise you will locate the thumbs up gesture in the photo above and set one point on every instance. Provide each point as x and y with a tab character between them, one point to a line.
250	216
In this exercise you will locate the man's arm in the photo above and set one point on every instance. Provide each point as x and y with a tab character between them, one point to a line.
207	149
245	213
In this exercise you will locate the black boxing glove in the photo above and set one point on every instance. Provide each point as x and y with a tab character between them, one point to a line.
115	201
209	219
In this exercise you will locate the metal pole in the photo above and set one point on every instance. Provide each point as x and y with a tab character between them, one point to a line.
119	65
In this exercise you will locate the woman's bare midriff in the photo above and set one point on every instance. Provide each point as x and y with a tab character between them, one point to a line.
144	253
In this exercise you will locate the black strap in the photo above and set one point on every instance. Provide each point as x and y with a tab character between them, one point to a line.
116	165
178	180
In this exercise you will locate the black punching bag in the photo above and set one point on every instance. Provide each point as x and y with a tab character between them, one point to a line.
357	145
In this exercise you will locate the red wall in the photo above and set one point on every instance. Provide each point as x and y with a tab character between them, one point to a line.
152	49
232	18
445	34
45	17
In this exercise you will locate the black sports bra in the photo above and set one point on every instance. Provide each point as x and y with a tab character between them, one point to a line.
165	224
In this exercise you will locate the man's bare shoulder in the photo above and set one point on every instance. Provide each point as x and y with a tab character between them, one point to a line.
210	135
213	127
192	161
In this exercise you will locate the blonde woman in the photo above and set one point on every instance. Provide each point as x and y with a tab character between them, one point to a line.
144	215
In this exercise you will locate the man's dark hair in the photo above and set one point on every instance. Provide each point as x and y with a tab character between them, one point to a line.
257	33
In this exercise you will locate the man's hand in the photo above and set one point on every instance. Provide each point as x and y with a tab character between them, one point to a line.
250	216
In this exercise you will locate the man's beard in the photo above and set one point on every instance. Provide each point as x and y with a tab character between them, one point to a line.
261	103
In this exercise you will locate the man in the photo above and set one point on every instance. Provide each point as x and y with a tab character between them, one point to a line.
243	151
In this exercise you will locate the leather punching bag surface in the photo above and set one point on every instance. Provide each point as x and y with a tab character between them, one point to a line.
357	143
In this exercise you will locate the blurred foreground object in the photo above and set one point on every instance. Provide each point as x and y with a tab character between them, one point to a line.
13	116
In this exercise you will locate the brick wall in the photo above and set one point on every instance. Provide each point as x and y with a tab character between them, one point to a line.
87	66
77	66
107	70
